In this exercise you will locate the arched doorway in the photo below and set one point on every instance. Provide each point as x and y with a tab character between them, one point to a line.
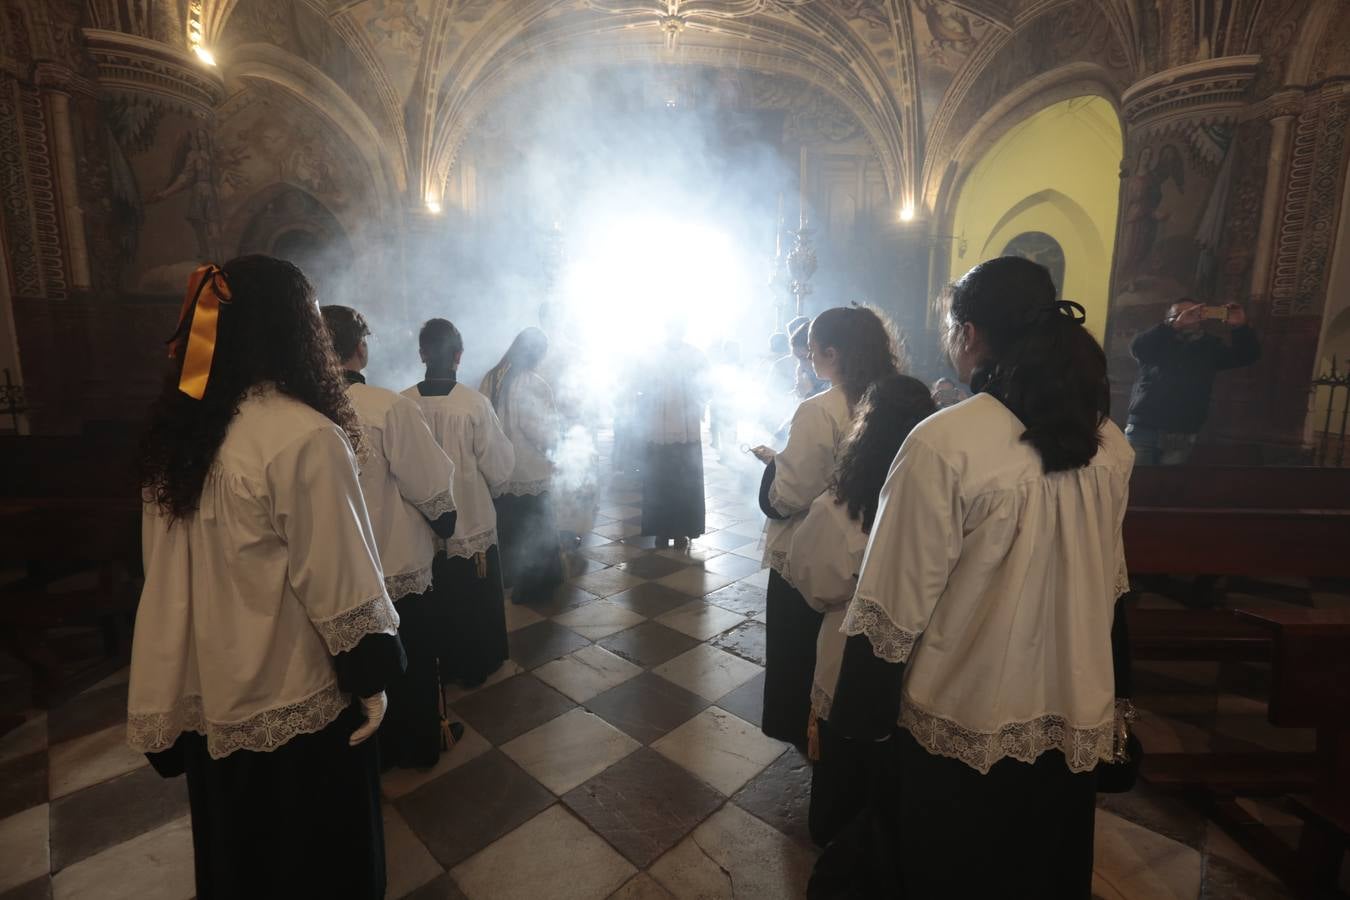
1048	189
1040	247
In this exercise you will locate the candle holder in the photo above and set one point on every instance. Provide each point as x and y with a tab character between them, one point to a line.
801	265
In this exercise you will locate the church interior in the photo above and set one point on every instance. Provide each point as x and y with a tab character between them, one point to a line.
600	168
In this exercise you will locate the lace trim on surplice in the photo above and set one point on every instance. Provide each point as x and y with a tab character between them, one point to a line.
474	543
345	630
889	641
263	732
526	488
1083	747
400	586
1122	580
437	506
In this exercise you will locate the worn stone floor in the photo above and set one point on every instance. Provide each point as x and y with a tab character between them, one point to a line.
616	755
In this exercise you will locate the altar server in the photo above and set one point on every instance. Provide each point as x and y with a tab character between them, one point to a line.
406	479
823	563
674	392
850	347
468	570
265	635
531	558
982	622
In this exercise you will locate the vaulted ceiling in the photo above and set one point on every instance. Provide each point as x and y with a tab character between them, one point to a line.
415	76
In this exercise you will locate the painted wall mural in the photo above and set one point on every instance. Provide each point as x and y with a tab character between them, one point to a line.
397	30
945	36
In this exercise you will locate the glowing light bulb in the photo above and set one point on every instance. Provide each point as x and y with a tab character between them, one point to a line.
907	213
204	55
433	206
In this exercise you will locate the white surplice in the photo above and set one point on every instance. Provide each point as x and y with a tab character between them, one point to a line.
468	430
823	563
996	583
247	599
803	468
406	478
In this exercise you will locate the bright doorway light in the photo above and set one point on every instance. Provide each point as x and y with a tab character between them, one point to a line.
630	277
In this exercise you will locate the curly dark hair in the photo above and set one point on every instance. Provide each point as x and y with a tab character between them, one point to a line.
1045	366
866	345
269	332
887	413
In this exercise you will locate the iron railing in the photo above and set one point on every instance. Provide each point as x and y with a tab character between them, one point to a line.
1329	445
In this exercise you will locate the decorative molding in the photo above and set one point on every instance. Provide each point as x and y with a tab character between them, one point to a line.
41	190
15	211
1213	88
1308	219
56	77
137	65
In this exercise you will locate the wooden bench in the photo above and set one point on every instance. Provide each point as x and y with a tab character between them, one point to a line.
1258	523
70	512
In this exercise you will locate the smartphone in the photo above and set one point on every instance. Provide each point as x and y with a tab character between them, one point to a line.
1215	312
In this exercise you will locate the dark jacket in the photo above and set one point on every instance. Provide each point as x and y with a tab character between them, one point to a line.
1176	375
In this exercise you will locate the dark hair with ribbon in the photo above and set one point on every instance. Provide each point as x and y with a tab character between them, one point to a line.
249	323
1040	361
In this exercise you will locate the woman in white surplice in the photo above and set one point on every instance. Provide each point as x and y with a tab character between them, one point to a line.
851	347
823	562
531	558
406	478
264	613
982	621
469	568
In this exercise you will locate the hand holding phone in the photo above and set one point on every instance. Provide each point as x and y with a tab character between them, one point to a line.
762	453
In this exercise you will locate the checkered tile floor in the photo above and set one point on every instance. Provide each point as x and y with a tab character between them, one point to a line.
617	754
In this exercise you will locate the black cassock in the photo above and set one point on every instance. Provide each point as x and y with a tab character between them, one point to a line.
302	820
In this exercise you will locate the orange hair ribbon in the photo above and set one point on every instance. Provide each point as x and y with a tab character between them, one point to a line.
207	290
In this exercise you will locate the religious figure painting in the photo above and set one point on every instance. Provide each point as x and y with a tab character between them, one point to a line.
945	36
396	23
873	12
192	172
951	32
396	30
1144	209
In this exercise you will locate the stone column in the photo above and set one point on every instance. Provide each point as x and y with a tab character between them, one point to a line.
1276	172
1176	179
57	84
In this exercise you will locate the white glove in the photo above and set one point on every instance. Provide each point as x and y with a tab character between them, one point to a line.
375	706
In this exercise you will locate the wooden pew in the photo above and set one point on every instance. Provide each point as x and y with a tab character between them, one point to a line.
70	512
1229	520
1256	522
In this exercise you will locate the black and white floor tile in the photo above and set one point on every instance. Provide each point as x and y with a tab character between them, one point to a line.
616	755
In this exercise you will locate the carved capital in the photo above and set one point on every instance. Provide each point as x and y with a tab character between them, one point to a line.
131	64
57	77
1210	90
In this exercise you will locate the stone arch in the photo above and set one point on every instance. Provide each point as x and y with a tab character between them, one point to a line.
306	84
288	222
526	64
1045	173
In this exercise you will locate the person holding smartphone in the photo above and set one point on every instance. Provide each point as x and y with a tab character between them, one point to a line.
1178	360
